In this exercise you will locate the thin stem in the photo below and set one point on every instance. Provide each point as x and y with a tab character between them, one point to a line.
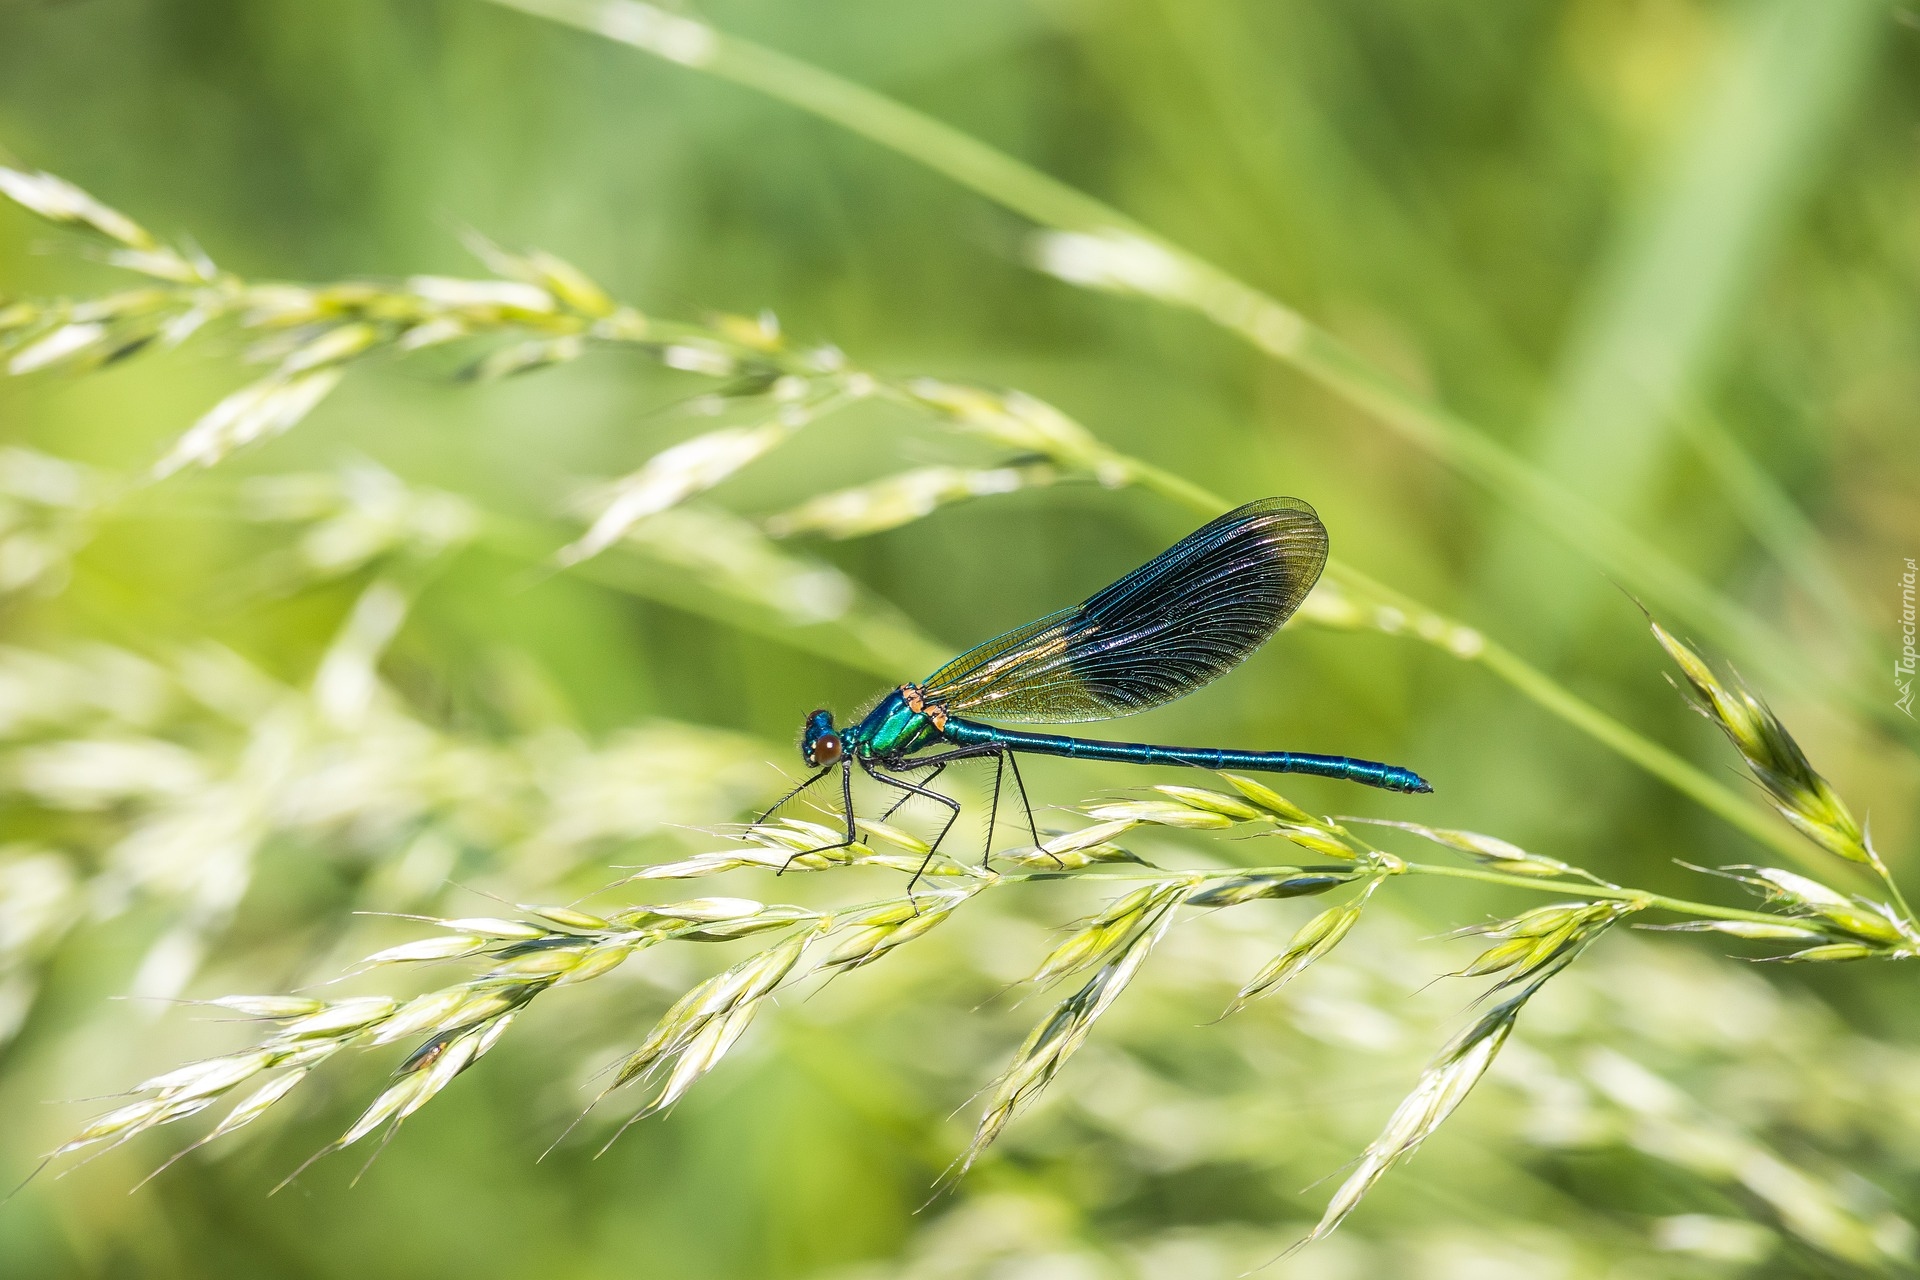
1893	886
1197	284
1172	487
1640	897
1581	889
1655	759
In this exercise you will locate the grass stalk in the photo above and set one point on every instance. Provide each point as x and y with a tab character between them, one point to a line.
1269	325
1640	898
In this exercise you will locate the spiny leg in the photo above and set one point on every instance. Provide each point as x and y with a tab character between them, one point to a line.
791	794
1013	759
846	800
993	808
918	790
939	764
938	769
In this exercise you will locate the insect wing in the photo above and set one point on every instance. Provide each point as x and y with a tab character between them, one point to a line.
1186	617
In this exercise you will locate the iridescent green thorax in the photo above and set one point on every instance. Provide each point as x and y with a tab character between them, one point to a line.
896	727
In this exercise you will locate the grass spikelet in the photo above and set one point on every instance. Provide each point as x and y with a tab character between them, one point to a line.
1013	420
58	200
1269	799
874	932
1111	932
1313	940
1442	1088
894	836
670	478
265	408
1088	837
1809	902
704	1023
1800	794
1051	1043
1160	814
902	499
256	1104
1211	801
1319	840
1750	929
1542	941
1292	883
1491	851
1081	856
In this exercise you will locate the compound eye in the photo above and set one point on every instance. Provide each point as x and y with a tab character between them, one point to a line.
826	749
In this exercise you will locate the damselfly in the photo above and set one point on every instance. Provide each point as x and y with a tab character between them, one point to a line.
1184	618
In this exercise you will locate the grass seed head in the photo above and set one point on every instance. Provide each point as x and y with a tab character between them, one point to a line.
450	947
1491	851
1088	837
1238	889
901	499
1319	840
868	944
1313	940
894	836
269	407
1802	796
1040	858
1834	951
1212	801
256	1104
58	200
1752	929
568	918
1442	1088
342	1018
428	1012
669	478
717	997
708	910
1160	813
1111	932
277	1008
1867	921
1269	799
1058	1036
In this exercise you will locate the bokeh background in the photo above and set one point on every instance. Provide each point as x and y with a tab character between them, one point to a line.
1667	250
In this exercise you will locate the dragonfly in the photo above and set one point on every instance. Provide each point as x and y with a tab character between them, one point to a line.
1179	621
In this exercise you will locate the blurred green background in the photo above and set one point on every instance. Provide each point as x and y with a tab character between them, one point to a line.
1665	249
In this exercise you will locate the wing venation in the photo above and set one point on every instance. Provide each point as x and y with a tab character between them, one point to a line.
1184	618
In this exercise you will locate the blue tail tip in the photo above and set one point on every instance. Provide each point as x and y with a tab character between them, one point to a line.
1413	782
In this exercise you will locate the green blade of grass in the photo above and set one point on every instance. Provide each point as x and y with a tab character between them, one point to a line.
1666	301
1775	521
1196	284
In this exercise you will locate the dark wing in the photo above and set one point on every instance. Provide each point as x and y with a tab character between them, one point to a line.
1187	616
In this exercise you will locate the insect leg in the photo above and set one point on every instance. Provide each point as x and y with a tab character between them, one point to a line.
938	769
993	810
971	752
846	800
1013	759
914	788
791	794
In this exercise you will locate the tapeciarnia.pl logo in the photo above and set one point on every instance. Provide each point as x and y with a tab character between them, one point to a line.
1903	665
